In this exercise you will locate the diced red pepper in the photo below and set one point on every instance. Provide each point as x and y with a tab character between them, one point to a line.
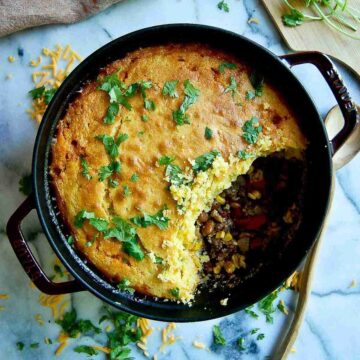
256	243
257	185
236	213
252	222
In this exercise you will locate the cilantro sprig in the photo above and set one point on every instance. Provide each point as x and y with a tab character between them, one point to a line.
191	95
73	327
42	92
218	336
121	231
251	130
170	88
338	15
232	87
111	144
223	5
226	65
158	219
204	162
85	172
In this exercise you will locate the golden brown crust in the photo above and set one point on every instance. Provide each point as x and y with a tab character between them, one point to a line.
139	154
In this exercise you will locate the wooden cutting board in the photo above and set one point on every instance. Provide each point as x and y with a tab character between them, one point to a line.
316	35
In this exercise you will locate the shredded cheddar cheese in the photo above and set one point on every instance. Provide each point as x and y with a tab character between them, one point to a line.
4	296
104	349
198	344
51	74
294	281
167	337
52	302
39	319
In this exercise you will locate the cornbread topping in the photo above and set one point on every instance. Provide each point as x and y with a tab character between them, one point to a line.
147	147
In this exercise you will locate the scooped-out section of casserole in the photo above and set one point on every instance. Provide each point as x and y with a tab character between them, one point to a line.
146	151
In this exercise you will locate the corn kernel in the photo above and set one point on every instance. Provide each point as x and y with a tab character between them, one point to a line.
288	218
11	59
220	200
220	235
239	261
228	237
254	195
217	269
229	267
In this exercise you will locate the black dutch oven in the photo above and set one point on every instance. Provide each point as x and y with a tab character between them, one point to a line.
319	154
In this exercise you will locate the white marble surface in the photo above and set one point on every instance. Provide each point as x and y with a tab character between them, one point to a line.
332	322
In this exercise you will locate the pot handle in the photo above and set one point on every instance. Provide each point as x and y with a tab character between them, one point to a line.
337	86
27	259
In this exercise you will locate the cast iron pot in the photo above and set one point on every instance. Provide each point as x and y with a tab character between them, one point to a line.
316	202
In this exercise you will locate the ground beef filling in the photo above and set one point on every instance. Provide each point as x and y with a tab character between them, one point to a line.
252	221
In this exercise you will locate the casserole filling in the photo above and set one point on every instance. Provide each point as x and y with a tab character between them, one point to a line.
253	220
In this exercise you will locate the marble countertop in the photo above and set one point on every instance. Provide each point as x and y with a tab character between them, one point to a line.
331	325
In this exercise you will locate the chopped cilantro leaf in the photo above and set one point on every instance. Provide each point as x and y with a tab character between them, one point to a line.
85	349
208	133
232	86
266	306
48	95
149	105
175	174
113	183
175	292
127	191
226	65
254	331
251	312
257	81
37	93
243	155
249	95
40	92
112	145
222	5
111	112
99	224
251	130
58	270
170	88
292	19
34	345
134	177
158	259
204	162
81	216
108	170
191	95
241	344
166	160
260	337
158	219
218	336
85	172
25	184
72	326
125	233
20	345
70	240
124	284
144	118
